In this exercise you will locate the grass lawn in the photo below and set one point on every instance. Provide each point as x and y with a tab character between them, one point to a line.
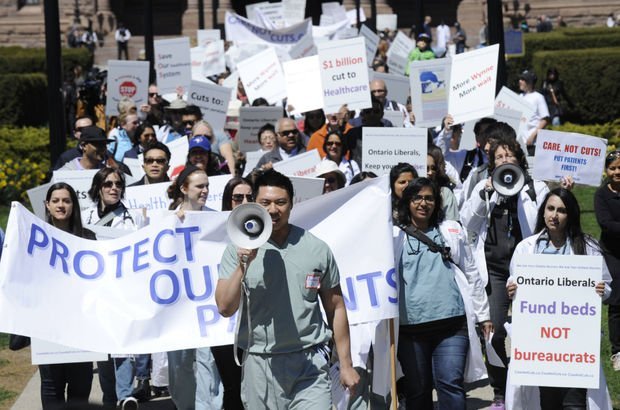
15	368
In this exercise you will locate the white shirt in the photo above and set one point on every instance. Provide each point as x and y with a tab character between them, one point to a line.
541	110
443	35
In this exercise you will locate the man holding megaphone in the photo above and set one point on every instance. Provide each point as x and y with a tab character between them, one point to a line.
276	288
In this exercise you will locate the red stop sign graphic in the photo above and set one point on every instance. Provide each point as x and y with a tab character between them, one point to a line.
127	89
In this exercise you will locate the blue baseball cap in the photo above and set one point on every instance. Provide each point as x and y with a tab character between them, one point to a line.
200	142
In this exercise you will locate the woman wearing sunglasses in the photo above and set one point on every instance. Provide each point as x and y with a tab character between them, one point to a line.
337	150
441	299
236	192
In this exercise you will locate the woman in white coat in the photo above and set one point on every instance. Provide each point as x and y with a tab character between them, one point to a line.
441	298
558	232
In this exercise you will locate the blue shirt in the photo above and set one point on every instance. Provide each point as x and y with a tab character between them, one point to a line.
428	290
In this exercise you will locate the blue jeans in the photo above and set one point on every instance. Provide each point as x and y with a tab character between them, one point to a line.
124	371
209	389
437	359
182	379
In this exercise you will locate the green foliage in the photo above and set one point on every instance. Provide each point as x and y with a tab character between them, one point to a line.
610	131
23	99
16	177
32	60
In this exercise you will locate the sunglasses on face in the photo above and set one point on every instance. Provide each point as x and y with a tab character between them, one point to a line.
239	197
160	161
285	133
330	180
110	184
417	199
189	123
153	95
336	143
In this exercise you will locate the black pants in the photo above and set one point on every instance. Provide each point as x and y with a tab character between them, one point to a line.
107	381
613	321
122	48
499	304
230	374
561	398
76	378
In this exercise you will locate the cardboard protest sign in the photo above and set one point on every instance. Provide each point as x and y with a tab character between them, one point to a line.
205	37
554	307
429	82
80	181
217	184
208	60
212	100
562	154
371	41
178	148
306	188
152	197
304	48
163	276
398	53
397	85
386	147
387	21
250	11
135	166
44	352
251	160
126	79
294	11
271	15
472	84
352	16
508	99
262	76
251	119
36	196
172	64
396	117
301	165
303	84
344	74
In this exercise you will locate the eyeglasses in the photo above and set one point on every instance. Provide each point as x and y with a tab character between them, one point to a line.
189	123
110	184
160	161
79	129
417	199
330	180
239	197
336	143
153	95
377	91
284	133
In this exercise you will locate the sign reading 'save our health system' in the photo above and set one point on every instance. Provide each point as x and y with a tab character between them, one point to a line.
173	64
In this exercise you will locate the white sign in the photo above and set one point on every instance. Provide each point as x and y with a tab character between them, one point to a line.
152	197
562	154
385	147
262	76
397	85
208	60
251	119
294	11
344	74
554	308
205	37
397	118
304	48
398	53
126	79
251	160
271	15
178	150
387	21
472	84
162	278
301	165
173	64
306	188
303	84
80	181
135	166
429	82
36	196
44	352
508	99
512	118
250	11
371	41
212	100
217	184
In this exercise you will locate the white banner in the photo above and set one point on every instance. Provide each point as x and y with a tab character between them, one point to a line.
371	40
386	147
562	154
429	82
262	76
212	100
303	84
138	293
251	119
301	165
556	321
173	64
472	84
242	30
344	74
126	79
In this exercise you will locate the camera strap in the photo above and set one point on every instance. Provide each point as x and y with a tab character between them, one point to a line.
444	251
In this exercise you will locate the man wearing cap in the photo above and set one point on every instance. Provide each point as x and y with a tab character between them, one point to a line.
93	143
331	173
540	117
173	118
75	152
288	145
422	51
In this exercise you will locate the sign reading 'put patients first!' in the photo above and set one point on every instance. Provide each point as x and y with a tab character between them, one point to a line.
344	74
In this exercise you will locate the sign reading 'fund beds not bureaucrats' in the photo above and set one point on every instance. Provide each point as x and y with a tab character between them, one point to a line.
556	319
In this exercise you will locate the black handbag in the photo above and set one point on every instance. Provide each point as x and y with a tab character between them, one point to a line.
18	342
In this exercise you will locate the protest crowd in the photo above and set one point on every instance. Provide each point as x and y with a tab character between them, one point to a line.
258	119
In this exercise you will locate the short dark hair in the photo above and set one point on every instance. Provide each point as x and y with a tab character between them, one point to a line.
275	179
343	141
160	146
98	181
193	110
266	127
362	176
139	130
512	145
400	168
500	130
480	129
414	187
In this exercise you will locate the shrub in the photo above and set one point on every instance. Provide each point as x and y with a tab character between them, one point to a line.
23	99
610	131
16	177
32	60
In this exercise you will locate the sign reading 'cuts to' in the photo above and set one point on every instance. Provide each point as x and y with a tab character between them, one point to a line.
212	100
344	74
173	64
126	79
556	321
562	154
386	147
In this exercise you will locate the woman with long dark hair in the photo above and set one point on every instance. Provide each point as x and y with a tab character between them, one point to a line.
441	299
401	175
558	232
236	192
335	146
63	211
436	172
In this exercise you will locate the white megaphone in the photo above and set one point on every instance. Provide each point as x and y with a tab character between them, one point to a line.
249	226
508	179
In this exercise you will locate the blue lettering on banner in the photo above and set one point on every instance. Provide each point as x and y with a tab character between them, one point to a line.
119	259
208	315
137	253
41	243
206	273
174	282
158	256
77	265
59	249
369	279
187	232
